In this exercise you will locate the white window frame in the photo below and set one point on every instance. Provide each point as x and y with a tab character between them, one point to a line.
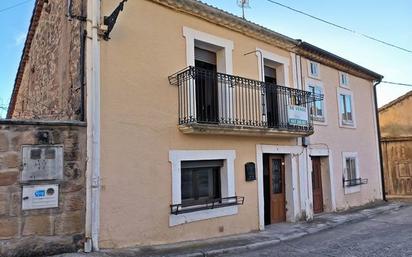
284	61
318	84
352	189
342	124
344	83
310	74
224	57
224	65
227	180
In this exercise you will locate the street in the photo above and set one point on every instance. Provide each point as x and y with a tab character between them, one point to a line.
385	235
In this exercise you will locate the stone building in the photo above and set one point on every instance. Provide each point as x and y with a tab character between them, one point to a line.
49	82
45	115
396	141
199	123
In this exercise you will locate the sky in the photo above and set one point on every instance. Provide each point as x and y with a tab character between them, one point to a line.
390	21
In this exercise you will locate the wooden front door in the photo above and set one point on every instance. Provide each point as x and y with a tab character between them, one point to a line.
317	185
277	189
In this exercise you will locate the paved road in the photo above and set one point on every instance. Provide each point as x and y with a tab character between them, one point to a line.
385	235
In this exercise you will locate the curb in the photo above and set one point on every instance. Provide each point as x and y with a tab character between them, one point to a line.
263	244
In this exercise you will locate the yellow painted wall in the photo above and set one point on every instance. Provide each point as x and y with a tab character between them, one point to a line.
139	127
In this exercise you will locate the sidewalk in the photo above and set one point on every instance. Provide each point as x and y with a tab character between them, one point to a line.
272	235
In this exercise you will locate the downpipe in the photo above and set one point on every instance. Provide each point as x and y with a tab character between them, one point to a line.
93	127
378	130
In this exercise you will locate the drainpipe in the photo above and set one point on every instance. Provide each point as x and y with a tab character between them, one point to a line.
93	127
378	129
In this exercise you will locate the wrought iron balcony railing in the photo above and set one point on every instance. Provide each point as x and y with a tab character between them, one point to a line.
211	98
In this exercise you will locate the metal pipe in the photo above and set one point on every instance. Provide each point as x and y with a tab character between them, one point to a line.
93	127
378	129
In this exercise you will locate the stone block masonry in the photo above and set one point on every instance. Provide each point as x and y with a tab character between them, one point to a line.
49	231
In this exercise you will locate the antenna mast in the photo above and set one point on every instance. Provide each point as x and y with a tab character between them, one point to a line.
243	4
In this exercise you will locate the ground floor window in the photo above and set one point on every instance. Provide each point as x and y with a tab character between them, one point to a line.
203	185
200	181
351	174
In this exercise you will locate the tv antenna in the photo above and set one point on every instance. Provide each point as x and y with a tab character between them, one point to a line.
243	4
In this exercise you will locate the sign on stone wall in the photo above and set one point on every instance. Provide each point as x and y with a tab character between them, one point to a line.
40	197
297	115
42	162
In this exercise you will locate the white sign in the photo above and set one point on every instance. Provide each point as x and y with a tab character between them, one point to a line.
297	115
40	197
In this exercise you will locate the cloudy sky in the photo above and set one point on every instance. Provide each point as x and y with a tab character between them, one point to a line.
390	21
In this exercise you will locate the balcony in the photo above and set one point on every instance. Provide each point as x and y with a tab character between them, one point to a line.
216	103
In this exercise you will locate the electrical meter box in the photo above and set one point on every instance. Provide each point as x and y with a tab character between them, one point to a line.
40	197
42	162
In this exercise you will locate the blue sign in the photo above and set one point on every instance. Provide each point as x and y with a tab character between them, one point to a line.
40	193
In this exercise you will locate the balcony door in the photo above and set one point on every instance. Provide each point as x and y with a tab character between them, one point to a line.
272	105
207	106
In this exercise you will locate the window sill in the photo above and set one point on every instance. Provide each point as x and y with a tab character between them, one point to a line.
183	218
347	125
320	121
352	189
314	76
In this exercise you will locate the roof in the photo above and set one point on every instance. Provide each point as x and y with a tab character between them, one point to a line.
396	101
224	19
328	55
38	6
236	23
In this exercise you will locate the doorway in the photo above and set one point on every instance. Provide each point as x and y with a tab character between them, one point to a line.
317	185
207	106
271	97
274	188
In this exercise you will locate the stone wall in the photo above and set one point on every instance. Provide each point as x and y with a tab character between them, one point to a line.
43	231
50	86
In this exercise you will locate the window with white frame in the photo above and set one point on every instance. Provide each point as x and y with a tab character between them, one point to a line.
346	108
351	175
343	79
318	109
200	179
313	69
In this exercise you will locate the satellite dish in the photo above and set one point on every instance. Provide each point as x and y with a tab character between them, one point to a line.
243	4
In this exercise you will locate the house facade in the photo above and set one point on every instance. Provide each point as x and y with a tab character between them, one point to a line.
201	124
396	143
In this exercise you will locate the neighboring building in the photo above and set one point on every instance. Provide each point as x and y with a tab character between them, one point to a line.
395	120
203	124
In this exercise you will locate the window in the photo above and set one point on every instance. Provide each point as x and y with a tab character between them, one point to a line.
317	111
351	175
345	103
200	181
351	169
200	176
313	69
343	79
346	108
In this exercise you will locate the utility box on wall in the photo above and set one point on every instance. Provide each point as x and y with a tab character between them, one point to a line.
250	171
42	162
40	197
